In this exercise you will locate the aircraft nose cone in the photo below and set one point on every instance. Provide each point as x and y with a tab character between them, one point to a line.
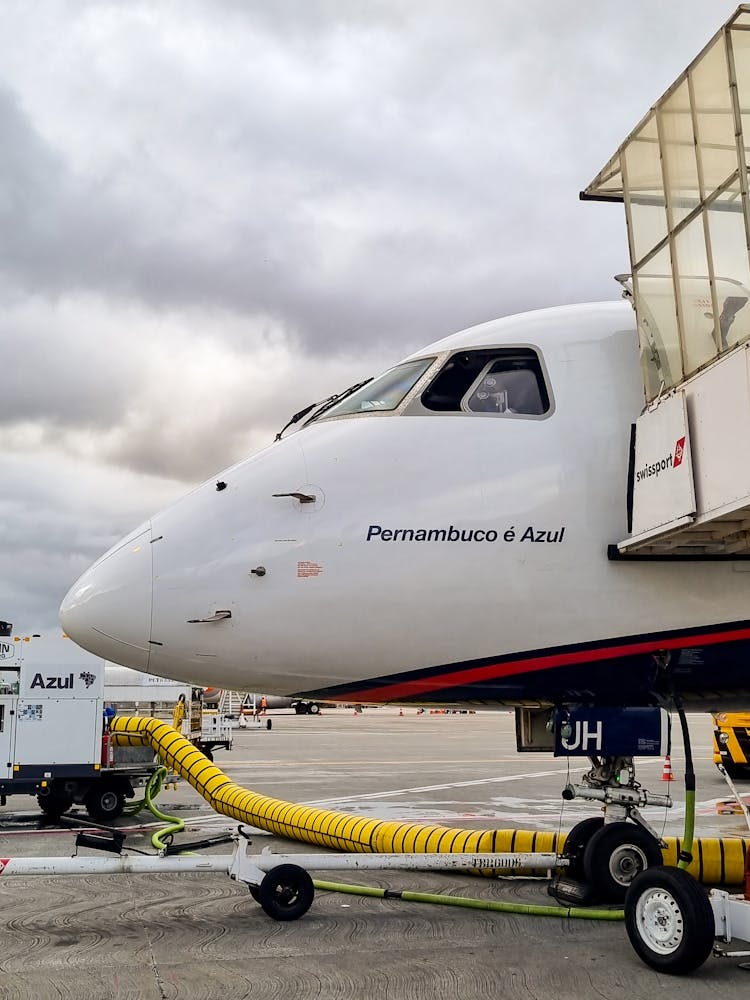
108	610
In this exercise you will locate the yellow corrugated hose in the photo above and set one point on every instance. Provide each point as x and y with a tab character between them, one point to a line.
716	862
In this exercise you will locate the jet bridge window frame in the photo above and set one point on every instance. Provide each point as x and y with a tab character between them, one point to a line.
458	405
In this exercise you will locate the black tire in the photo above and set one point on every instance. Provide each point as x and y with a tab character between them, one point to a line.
104	801
737	771
254	891
615	855
54	804
269	723
300	708
286	892
314	708
669	920
576	843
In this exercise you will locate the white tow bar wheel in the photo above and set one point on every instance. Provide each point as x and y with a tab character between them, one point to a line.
669	920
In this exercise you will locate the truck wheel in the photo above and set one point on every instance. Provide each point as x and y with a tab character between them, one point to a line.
286	892
669	920
54	804
615	855
737	771
104	801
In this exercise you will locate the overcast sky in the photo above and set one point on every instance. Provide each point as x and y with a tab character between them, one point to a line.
213	212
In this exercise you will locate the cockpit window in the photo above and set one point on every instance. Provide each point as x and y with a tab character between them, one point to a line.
507	387
507	381
385	392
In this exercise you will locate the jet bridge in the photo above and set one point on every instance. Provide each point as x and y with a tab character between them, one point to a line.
682	175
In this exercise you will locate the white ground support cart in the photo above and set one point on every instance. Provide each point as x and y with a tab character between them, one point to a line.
147	694
54	740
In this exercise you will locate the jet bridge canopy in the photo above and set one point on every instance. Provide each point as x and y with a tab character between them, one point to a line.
682	175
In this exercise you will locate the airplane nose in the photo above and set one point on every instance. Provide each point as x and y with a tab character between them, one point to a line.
108	610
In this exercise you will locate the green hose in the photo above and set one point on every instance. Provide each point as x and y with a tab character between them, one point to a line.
475	904
152	789
686	854
175	825
687	842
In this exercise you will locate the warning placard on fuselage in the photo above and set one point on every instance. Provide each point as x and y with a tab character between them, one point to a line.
612	732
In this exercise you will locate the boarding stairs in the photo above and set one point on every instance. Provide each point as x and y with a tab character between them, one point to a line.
233	703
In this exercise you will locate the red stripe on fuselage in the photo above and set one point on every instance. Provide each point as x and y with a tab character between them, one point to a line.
509	668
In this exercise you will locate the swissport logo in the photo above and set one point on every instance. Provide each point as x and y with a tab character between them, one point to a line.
671	461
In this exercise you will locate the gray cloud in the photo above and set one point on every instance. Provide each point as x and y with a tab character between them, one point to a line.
367	175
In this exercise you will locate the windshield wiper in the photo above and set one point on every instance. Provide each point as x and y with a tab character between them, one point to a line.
326	404
293	420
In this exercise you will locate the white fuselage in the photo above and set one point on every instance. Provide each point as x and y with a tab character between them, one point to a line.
360	584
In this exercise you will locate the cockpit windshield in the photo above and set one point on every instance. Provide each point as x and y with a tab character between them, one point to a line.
383	393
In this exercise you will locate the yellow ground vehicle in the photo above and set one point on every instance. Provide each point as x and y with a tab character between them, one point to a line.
732	743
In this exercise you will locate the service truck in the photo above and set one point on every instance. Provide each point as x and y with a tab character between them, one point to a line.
132	692
54	737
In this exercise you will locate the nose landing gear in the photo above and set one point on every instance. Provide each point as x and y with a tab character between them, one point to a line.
607	853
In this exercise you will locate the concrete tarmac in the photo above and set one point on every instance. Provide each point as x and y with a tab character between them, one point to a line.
194	936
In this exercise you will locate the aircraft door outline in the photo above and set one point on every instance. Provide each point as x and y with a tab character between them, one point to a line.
7	728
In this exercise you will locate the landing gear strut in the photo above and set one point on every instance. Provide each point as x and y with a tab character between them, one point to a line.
606	853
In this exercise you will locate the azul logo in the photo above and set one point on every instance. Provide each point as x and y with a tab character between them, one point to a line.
7	650
53	683
670	461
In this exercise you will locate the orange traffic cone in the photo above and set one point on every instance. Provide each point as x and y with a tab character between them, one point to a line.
666	774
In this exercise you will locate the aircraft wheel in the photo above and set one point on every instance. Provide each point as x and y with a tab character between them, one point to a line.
300	708
669	920
314	709
576	843
615	855
286	892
